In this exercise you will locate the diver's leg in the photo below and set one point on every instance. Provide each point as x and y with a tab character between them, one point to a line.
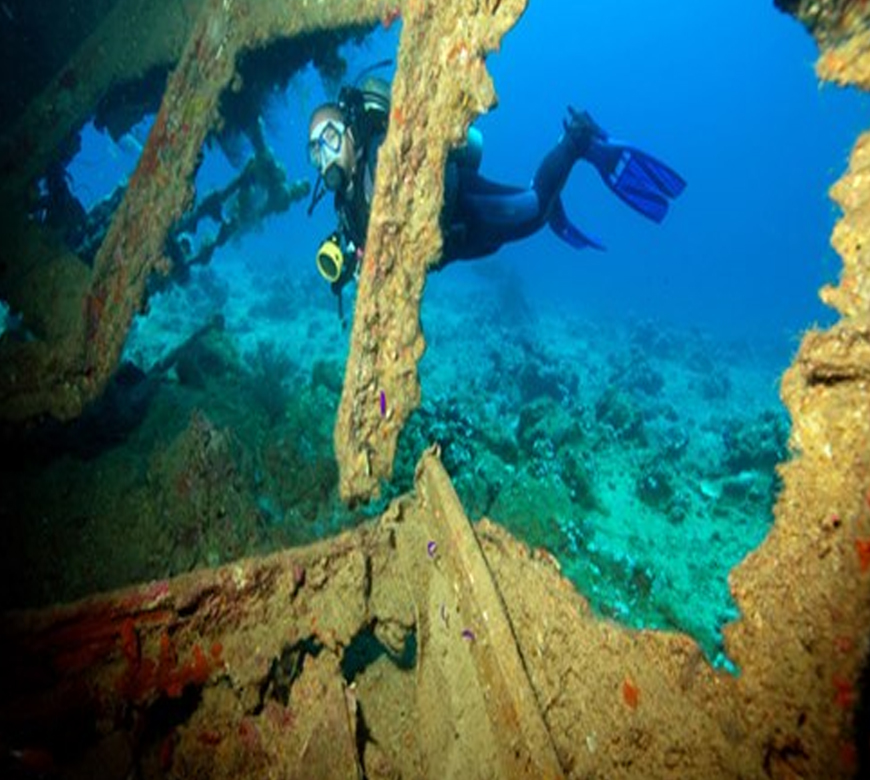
580	130
510	213
488	214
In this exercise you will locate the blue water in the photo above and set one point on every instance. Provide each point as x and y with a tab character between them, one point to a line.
727	95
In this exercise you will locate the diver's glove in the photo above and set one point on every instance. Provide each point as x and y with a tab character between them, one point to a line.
330	259
581	129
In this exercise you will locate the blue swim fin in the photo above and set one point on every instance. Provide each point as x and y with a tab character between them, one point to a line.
643	182
568	232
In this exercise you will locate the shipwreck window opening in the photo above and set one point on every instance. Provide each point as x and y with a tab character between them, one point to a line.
591	402
83	187
242	253
77	198
102	164
251	185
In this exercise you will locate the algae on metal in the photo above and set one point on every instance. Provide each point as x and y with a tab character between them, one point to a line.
491	722
60	376
830	21
441	86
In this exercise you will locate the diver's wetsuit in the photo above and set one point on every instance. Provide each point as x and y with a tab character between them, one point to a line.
479	215
483	215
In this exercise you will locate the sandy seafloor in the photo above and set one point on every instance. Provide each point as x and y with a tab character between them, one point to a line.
641	455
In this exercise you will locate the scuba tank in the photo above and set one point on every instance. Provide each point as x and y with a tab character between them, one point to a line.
366	103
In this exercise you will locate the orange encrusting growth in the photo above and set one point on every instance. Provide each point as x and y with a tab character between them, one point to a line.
144	677
862	547
630	693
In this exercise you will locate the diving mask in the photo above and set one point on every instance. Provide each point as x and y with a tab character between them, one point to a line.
324	151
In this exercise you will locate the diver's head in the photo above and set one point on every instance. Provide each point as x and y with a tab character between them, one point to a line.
331	147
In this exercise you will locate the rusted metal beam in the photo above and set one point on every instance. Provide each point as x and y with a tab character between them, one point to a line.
441	86
464	634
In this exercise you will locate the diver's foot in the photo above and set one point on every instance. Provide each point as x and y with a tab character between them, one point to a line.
581	129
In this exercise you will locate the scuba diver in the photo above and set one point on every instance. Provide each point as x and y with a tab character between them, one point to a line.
478	215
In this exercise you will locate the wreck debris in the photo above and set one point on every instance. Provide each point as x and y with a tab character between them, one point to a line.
495	728
118	663
441	86
71	362
830	21
123	664
362	653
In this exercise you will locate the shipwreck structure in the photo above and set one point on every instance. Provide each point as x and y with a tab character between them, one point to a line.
418	645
